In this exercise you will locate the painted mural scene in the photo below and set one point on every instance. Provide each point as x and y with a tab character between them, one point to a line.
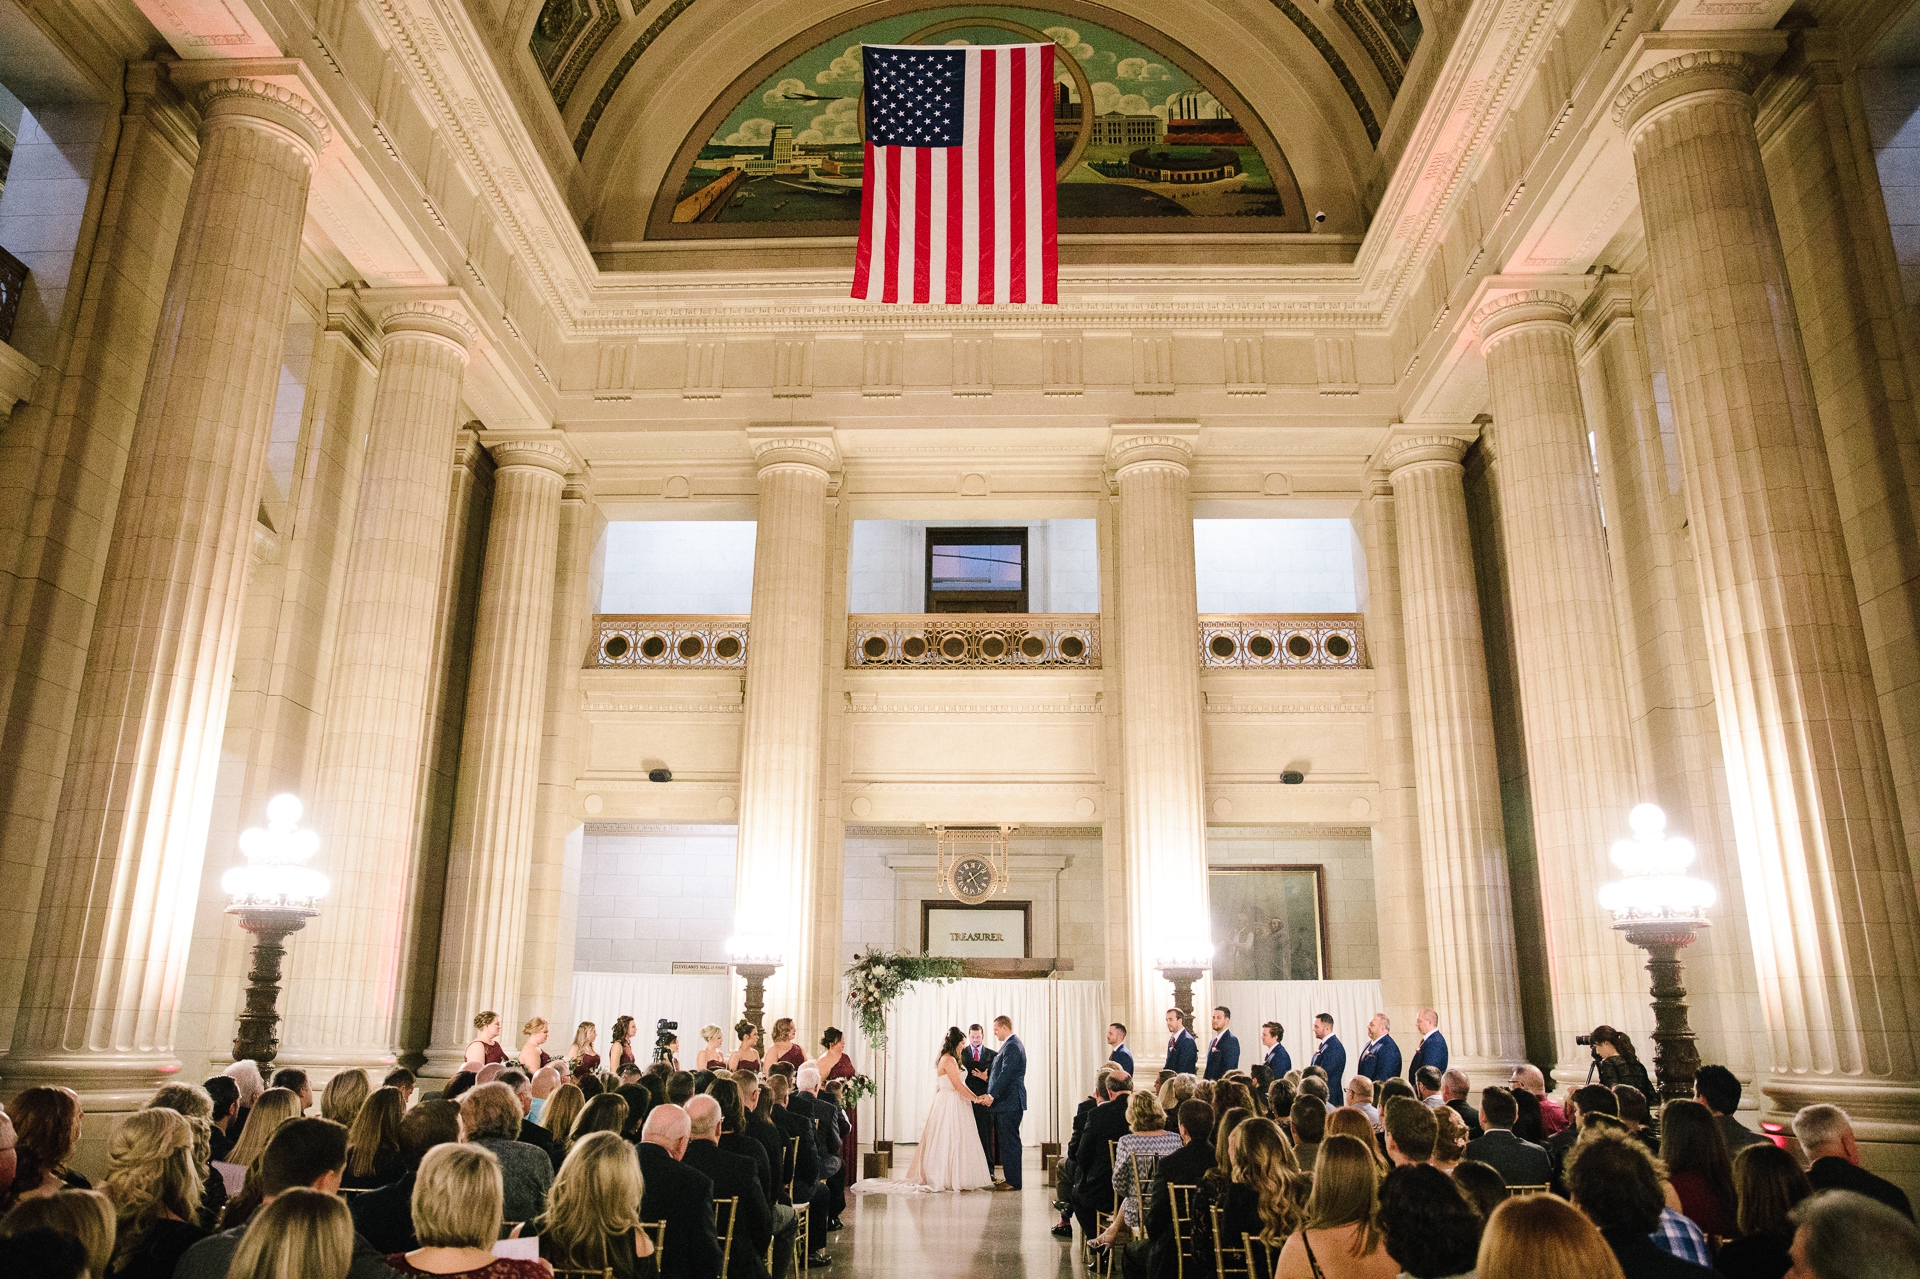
1137	133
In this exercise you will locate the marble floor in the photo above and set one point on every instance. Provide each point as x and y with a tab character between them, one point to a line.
976	1234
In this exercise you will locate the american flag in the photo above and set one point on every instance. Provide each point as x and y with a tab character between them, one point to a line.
958	204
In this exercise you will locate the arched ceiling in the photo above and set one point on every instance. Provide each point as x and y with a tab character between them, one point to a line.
639	93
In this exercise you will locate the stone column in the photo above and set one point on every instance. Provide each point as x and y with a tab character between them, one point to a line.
116	910
489	869
779	831
1462	838
343	998
1830	891
1572	696
1161	762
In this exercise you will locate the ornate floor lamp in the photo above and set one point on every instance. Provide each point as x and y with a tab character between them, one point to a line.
756	959
1184	962
274	894
1660	908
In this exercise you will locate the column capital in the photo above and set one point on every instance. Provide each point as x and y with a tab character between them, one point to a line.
784	447
263	91
1426	448
1526	307
1164	445
1666	83
439	313
547	450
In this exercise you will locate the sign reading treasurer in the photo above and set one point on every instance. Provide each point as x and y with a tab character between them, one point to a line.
990	932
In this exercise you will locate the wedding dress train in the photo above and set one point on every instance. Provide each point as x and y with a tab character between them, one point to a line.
949	1156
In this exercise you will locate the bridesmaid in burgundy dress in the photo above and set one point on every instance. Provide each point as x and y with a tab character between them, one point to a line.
835	1064
783	1048
485	1048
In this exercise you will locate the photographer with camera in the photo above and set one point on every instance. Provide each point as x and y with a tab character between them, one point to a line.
666	1043
1615	1061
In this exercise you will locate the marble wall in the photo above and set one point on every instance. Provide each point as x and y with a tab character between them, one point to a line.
653	895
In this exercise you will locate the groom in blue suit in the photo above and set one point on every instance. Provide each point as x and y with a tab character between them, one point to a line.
1006	1097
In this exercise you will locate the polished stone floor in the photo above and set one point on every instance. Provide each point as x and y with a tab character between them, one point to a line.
977	1233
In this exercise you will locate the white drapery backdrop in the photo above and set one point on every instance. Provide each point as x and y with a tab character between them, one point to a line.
692	1001
1294	1004
1061	1023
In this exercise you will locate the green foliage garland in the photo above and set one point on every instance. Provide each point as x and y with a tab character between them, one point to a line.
877	980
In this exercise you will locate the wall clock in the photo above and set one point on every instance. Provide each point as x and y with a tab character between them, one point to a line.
972	861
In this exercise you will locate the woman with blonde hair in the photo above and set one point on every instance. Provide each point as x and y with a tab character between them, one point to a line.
592	1220
1543	1237
154	1185
533	1052
373	1143
783	1048
85	1216
484	1048
1146	1141
195	1105
343	1096
1339	1237
275	1107
46	1128
1349	1121
562	1109
713	1051
580	1056
302	1234
456	1208
1267	1191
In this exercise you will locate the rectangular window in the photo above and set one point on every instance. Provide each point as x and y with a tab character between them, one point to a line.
976	570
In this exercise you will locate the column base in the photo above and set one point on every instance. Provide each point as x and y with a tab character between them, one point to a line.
1886	1118
442	1063
106	1081
1481	1072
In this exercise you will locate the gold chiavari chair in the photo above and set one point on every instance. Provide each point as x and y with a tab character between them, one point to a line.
1516	1191
803	1213
561	1272
1263	1258
657	1232
1228	1260
1145	1168
732	1207
1101	1263
1181	1202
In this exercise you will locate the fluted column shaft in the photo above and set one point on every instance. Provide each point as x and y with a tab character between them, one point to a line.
1580	767
116	909
1830	893
484	919
1162	767
343	998
780	746
1462	836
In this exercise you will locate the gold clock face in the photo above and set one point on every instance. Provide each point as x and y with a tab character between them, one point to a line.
973	879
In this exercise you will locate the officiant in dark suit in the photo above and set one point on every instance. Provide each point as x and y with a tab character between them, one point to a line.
976	1059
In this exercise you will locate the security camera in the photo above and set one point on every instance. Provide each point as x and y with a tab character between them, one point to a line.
1319	217
659	775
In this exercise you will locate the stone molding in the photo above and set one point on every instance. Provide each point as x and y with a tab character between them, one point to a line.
519	451
1666	83
1423	450
262	100
1529	307
1166	452
797	452
446	321
1611	303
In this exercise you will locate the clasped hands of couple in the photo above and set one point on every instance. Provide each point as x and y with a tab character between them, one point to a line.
981	1099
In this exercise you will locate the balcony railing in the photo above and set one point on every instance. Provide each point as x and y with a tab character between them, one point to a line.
1283	641
996	640
627	640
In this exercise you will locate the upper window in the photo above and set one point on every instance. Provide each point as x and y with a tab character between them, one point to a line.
976	570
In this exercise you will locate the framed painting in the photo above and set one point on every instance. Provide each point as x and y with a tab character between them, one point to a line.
1269	922
997	930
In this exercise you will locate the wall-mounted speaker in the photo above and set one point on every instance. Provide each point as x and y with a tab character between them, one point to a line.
660	775
1291	778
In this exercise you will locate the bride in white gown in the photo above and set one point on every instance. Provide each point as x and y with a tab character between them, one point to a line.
949	1156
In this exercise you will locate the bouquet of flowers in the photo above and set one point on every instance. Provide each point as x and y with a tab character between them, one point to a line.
856	1090
877	980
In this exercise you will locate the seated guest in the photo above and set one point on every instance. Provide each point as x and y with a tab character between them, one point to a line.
296	1082
457	1086
456	1217
1543	1237
1449	1140
274	1107
1339	1237
343	1096
490	1117
592	1220
1530	1126
384	1217
1638	1116
1826	1138
1519	1163
605	1113
154	1183
193	1104
1617	1184
1280	1097
1767	1184
734	1138
546	1080
1716	1088
1360	1097
680	1196
530	1132
85	1216
733	1177
247	1078
1482	1184
1427	1224
1184	1167
401	1079
373	1142
1453	1091
225	1095
305	1156
1695	1155
1411	1131
559	1114
639	1102
1426	1086
1316	1088
46	1128
1092	1191
1589	1099
1839	1234
1307	1125
1348	1122
302	1232
1145	1141
1552	1117
1266	1193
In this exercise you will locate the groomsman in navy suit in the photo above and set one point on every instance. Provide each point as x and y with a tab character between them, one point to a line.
1223	1053
1380	1059
1183	1053
1328	1053
1278	1059
1117	1041
1432	1049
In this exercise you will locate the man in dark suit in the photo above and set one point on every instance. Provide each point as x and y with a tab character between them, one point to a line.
1184	1167
1589	1099
734	1138
1066	1172
976	1059
825	1117
734	1177
678	1195
1117	1050
763	1133
1519	1162
1006	1096
1223	1050
1279	1061
1380	1059
1093	1157
808	1188
1183	1052
1432	1048
1328	1054
384	1217
1453	1087
1826	1135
